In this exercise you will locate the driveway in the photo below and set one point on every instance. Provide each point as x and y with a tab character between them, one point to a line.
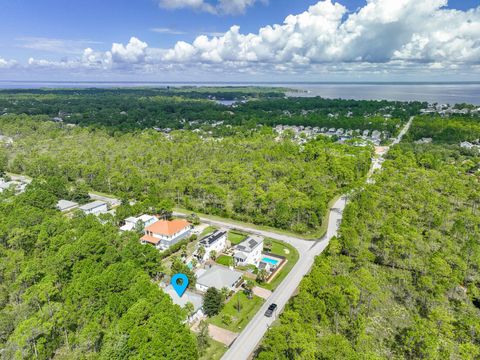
253	333
261	292
221	335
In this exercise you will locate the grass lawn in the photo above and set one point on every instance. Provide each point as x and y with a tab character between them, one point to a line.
215	351
208	230
281	248
236	237
240	319
225	260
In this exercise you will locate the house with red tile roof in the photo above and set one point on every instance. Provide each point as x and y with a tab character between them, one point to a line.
165	233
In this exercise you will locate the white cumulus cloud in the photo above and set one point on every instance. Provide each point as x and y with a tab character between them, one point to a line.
384	36
7	64
221	7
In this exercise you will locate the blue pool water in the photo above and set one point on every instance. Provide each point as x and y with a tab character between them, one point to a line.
270	261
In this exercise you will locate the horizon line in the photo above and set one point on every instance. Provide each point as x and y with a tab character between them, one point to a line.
245	82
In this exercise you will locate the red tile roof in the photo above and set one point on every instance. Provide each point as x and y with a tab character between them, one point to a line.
150	239
168	228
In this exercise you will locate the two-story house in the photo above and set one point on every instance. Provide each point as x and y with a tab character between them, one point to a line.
248	252
164	233
217	241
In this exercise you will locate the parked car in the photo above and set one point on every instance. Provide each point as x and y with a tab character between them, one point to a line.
270	310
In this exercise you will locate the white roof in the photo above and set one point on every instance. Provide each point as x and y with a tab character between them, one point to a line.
63	205
249	244
218	277
187	297
93	205
127	227
144	218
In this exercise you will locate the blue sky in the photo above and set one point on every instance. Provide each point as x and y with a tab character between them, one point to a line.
48	38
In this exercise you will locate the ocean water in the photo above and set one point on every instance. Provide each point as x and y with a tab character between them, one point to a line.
444	93
440	93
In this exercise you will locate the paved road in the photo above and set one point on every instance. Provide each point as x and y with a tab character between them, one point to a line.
253	333
250	337
109	200
381	151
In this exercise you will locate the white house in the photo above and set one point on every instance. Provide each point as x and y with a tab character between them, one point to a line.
217	241
188	297
95	208
376	134
248	252
66	205
164	234
131	222
218	277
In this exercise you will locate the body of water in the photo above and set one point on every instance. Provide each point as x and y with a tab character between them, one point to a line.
439	93
444	93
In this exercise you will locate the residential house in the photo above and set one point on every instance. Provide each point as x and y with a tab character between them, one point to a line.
217	241
164	233
376	135
218	277
144	220
95	208
248	252
188	297
66	205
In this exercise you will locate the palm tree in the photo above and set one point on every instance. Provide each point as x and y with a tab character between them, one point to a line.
248	286
201	252
213	255
262	275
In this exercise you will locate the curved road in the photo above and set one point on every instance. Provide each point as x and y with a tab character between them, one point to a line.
250	337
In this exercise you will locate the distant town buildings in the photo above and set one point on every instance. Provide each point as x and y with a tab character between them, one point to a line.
303	134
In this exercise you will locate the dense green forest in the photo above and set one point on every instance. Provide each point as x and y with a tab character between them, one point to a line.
247	176
76	289
402	281
449	130
190	108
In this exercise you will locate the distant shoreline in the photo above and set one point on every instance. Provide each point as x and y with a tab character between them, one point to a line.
431	92
243	83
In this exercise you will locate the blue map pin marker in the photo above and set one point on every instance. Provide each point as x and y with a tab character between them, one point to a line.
179	283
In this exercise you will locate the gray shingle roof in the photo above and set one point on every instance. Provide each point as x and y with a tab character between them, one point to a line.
66	204
188	297
218	277
92	205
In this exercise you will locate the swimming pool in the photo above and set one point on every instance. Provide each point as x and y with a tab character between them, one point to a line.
270	260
